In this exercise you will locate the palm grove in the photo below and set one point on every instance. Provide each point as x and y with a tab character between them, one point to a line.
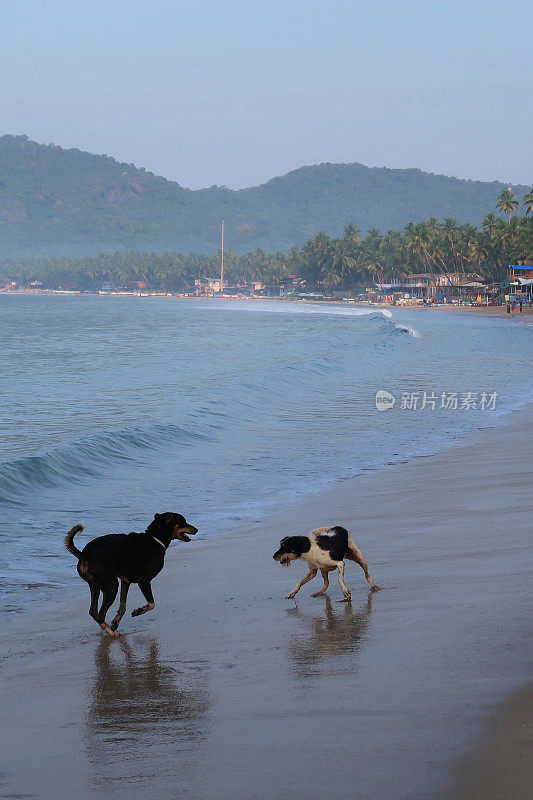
349	262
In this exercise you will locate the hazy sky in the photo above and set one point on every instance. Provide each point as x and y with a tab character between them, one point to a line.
237	91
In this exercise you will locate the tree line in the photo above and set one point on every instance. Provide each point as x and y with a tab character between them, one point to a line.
347	262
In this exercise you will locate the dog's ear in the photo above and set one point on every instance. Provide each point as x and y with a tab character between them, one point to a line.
284	540
156	516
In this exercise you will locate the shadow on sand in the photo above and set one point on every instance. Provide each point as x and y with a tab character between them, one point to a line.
143	712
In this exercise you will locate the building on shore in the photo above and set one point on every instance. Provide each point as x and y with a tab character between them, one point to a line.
520	281
206	287
209	287
426	286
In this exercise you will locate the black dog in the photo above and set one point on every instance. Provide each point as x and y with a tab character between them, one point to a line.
132	557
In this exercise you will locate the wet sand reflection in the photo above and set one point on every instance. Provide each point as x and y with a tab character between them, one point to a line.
334	630
143	712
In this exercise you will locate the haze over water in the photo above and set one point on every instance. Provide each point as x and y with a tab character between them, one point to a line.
115	408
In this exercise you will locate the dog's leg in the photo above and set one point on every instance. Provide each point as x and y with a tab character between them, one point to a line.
146	589
110	592
354	554
95	594
325	576
345	591
124	586
310	575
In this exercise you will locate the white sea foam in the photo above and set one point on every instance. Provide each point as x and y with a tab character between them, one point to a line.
311	308
296	308
408	329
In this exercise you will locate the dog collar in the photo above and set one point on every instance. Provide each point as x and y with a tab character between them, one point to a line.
158	542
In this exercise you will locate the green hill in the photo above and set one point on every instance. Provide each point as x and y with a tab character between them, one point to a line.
58	201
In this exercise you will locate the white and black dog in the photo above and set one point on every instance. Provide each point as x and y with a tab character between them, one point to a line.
324	549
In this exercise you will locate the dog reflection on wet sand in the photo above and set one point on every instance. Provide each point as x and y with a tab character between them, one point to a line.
142	710
334	631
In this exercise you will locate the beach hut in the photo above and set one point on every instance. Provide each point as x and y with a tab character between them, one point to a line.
520	278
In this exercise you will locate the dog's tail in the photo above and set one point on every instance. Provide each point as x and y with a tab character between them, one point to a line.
69	541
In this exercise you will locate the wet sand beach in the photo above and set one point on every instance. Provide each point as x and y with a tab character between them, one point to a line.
227	690
500	766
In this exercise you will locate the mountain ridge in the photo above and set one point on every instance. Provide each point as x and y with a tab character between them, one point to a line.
57	201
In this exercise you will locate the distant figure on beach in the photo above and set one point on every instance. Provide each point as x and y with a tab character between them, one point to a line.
508	309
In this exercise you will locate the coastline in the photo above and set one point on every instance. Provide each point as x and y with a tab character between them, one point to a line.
226	681
491	311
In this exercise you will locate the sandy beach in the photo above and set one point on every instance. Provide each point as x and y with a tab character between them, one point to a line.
229	691
500	767
491	311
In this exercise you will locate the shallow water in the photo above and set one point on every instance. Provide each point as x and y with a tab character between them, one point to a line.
114	408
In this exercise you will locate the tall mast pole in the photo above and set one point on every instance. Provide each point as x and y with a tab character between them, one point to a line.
222	261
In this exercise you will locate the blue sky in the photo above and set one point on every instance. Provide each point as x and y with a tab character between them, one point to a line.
234	93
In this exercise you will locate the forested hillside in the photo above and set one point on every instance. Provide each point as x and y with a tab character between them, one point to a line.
55	201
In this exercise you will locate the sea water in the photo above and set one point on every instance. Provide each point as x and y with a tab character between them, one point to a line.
114	408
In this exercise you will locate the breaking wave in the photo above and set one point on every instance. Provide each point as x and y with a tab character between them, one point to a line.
371	312
86	457
408	329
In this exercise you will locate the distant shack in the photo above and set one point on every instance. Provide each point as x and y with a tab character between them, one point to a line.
520	280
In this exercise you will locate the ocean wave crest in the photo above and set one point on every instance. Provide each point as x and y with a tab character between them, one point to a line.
408	329
300	307
84	458
371	312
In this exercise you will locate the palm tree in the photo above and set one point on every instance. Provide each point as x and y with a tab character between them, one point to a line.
351	234
507	202
426	242
343	262
332	275
505	236
450	234
371	263
317	255
527	201
488	223
524	242
418	240
478	251
393	255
